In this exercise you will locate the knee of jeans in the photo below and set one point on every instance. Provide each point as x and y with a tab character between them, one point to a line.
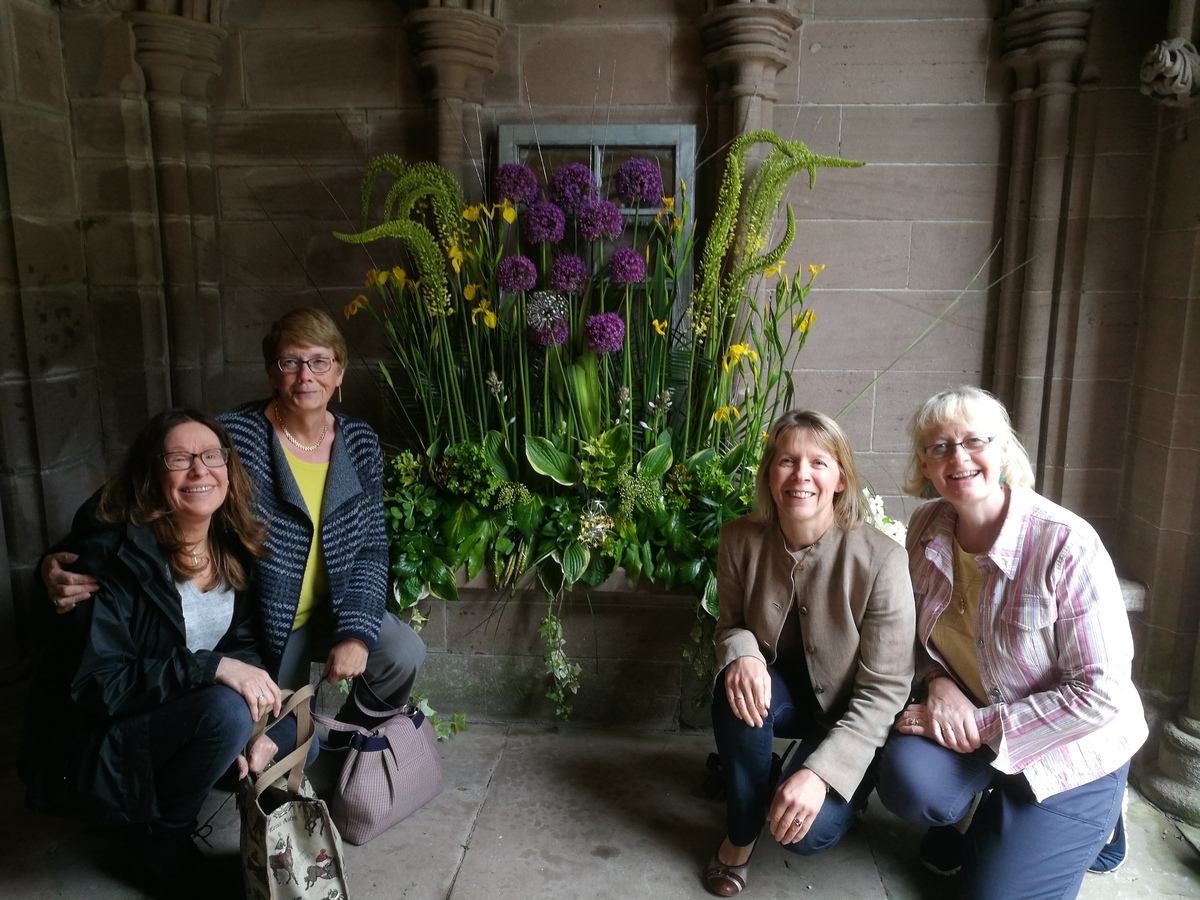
230	716
813	843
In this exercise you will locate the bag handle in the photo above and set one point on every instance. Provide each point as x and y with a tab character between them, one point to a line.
297	701
364	738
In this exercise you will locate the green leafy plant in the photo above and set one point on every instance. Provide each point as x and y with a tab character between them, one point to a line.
576	408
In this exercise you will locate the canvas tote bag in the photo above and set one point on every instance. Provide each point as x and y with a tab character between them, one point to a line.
290	847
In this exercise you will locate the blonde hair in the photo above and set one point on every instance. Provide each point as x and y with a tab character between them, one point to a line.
848	508
958	406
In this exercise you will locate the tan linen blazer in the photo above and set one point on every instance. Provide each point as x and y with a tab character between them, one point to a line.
859	624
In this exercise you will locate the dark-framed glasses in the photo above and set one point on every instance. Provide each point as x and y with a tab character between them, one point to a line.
946	450
178	460
318	365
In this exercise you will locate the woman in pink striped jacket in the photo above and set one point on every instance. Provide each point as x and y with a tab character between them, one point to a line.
1027	715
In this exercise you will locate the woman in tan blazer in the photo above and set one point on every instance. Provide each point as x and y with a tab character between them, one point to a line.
814	642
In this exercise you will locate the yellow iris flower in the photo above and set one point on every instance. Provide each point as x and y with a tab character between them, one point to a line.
359	302
661	327
400	276
801	322
471	213
736	354
370	282
772	271
489	317
723	414
456	258
471	290
814	271
508	211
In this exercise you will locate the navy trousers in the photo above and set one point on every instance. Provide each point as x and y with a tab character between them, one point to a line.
1016	847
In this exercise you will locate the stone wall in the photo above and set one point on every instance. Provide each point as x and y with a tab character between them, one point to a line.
172	173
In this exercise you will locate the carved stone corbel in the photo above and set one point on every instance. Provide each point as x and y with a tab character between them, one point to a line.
746	45
455	49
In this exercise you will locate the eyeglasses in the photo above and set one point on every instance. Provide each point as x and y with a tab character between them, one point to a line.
318	365
945	451
214	459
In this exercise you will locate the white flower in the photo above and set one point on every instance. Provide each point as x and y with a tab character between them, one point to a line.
877	516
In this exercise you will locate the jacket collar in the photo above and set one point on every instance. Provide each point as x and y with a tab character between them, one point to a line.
140	553
1004	553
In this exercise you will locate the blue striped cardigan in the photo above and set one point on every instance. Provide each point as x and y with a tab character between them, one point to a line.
353	539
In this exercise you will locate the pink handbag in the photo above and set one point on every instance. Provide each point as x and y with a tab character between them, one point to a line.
391	771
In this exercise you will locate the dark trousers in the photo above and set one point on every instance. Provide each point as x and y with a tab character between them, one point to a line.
193	741
391	666
746	765
1016	847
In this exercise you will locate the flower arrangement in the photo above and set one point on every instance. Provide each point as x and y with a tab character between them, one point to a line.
575	407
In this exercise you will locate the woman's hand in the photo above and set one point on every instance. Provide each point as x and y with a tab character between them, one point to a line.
254	684
65	588
947	716
748	689
262	752
796	804
346	660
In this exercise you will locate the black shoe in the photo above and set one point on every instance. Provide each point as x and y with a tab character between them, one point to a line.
942	850
1112	856
169	866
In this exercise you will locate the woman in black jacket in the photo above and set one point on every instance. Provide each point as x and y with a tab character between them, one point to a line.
150	693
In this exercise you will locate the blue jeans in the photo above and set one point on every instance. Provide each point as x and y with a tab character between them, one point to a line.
1016	847
746	765
193	741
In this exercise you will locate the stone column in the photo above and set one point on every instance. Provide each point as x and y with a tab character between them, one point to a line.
746	45
1044	44
454	50
180	52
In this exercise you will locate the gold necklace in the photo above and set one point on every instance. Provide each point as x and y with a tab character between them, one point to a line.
287	434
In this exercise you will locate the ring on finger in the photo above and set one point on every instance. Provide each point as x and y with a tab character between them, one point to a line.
799	823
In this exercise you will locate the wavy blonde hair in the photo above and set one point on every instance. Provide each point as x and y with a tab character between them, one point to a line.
958	406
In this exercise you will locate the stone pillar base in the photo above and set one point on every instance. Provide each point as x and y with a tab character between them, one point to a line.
1173	782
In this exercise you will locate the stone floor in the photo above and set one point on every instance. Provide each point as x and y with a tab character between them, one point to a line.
531	813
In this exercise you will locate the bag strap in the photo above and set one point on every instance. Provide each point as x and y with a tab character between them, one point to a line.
363	738
299	702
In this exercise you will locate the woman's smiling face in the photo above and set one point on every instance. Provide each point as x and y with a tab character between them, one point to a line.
805	481
964	476
195	493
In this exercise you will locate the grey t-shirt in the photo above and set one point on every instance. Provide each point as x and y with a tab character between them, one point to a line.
206	614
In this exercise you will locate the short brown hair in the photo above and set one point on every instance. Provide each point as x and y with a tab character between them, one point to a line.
135	496
848	508
305	326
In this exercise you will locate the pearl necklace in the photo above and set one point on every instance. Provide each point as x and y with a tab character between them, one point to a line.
287	434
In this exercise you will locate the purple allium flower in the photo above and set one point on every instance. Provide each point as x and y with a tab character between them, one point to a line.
627	266
605	332
552	335
568	275
514	182
571	185
543	221
639	181
515	274
601	220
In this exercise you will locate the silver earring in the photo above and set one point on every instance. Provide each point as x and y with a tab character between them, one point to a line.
340	395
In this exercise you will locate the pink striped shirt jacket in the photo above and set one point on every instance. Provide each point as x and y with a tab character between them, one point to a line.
1052	640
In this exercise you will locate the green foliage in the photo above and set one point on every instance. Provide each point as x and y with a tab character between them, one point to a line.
572	459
